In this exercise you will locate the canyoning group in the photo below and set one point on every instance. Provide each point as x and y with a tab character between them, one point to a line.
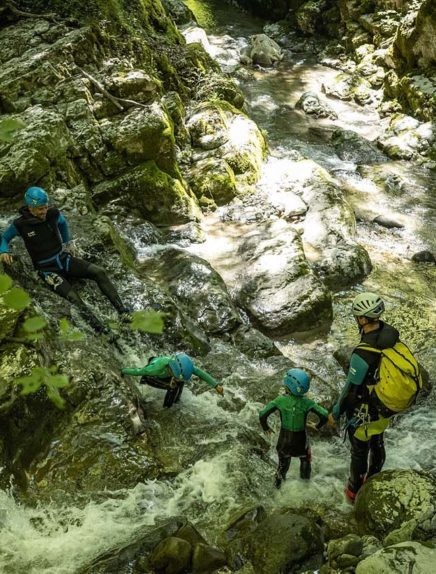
383	378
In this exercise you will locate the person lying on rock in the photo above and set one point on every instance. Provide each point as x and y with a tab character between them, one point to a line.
171	374
293	407
46	236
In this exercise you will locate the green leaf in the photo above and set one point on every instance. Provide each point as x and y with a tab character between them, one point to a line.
68	333
16	298
8	127
30	384
55	397
5	283
148	321
58	381
34	324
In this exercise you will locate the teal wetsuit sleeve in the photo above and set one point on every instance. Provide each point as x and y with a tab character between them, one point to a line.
356	376
64	229
156	368
9	233
270	408
205	377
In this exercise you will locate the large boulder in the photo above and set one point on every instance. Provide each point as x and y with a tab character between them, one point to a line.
400	559
196	285
311	104
396	500
264	51
35	151
414	42
151	192
277	288
406	137
276	543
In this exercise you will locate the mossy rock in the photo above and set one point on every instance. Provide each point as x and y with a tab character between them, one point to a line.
151	192
213	179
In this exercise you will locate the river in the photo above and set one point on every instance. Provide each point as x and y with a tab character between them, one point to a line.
226	472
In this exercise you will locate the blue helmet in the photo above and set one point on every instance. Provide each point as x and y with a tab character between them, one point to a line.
297	382
181	366
35	197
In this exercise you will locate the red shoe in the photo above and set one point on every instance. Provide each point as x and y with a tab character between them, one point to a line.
350	495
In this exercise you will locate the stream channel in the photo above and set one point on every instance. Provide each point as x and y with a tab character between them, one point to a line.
226	473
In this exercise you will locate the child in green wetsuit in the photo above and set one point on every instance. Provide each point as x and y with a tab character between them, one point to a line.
293	408
171	374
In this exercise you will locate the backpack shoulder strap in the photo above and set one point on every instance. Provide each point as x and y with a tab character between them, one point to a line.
366	347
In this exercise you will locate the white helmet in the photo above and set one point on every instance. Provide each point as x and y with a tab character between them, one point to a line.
368	304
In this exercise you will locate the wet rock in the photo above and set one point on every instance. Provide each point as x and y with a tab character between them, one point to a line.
401	558
234	137
395	497
424	257
254	343
279	541
308	17
196	35
213	182
387	222
206	559
406	137
178	11
216	86
264	51
311	104
171	556
351	147
194	283
414	42
134	85
278	290
341	87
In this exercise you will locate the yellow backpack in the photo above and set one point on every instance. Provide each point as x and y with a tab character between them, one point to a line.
398	378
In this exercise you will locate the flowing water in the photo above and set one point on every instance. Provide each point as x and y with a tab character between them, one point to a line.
224	467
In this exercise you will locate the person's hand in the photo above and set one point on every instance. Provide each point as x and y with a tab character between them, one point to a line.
312	426
331	421
6	258
70	248
219	389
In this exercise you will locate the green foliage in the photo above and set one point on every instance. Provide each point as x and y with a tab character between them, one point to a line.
5	283
148	321
68	333
34	324
43	376
16	298
8	127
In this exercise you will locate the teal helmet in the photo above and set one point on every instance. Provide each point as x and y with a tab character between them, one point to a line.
297	382
368	304
35	197
181	366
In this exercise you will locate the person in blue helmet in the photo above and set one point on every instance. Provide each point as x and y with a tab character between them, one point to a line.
293	408
171	373
47	238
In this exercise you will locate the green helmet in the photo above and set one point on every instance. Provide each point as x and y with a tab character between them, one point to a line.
368	304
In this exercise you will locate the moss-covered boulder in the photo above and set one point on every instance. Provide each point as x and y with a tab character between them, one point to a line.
399	559
278	542
414	42
394	498
35	150
151	192
213	182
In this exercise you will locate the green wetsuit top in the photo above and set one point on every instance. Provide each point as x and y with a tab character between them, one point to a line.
293	412
158	367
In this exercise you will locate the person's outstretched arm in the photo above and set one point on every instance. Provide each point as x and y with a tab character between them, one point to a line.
9	233
209	380
156	368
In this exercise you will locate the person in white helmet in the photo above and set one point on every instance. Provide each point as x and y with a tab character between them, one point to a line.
356	401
